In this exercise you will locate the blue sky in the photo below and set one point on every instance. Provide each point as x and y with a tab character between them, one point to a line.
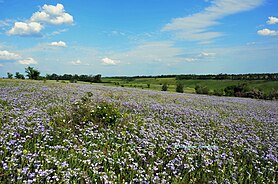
139	37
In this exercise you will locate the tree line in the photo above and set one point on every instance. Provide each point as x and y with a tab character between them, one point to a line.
240	90
31	73
34	74
74	78
261	76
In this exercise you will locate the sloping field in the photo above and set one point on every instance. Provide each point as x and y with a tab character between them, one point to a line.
138	136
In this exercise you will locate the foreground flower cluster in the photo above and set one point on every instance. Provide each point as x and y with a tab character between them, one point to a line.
160	137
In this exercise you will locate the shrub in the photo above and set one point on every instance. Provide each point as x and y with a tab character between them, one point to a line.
255	93
273	95
106	114
229	91
201	89
239	90
10	76
19	76
148	85
164	87
179	87
84	111
72	80
218	92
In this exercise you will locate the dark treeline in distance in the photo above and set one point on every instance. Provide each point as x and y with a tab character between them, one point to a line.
74	78
261	76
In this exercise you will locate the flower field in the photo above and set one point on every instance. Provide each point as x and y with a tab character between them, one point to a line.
83	133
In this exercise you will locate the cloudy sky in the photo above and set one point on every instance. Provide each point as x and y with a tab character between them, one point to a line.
139	37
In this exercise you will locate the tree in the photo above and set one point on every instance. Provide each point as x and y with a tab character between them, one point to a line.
179	87
164	87
201	89
10	76
32	73
97	78
19	76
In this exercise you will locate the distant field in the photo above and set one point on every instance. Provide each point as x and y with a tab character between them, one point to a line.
156	83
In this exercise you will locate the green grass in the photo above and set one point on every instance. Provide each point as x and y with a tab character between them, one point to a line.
189	85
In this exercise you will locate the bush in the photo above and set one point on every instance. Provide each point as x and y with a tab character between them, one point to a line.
255	93
148	85
106	114
164	87
230	91
10	76
239	90
19	76
201	89
273	95
84	111
72	80
218	92
179	87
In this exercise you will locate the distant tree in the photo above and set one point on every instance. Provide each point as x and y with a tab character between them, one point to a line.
73	80
52	76
218	92
179	87
255	93
230	90
201	89
19	76
10	75
97	78
32	73
164	87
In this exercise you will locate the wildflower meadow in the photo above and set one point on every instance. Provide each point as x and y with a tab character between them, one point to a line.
53	132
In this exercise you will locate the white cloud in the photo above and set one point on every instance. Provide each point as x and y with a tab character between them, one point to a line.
267	32
108	61
207	54
190	59
77	62
52	15
251	43
58	44
4	22
272	20
149	53
28	61
201	56
11	56
1	65
6	55
196	26
26	29
58	32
